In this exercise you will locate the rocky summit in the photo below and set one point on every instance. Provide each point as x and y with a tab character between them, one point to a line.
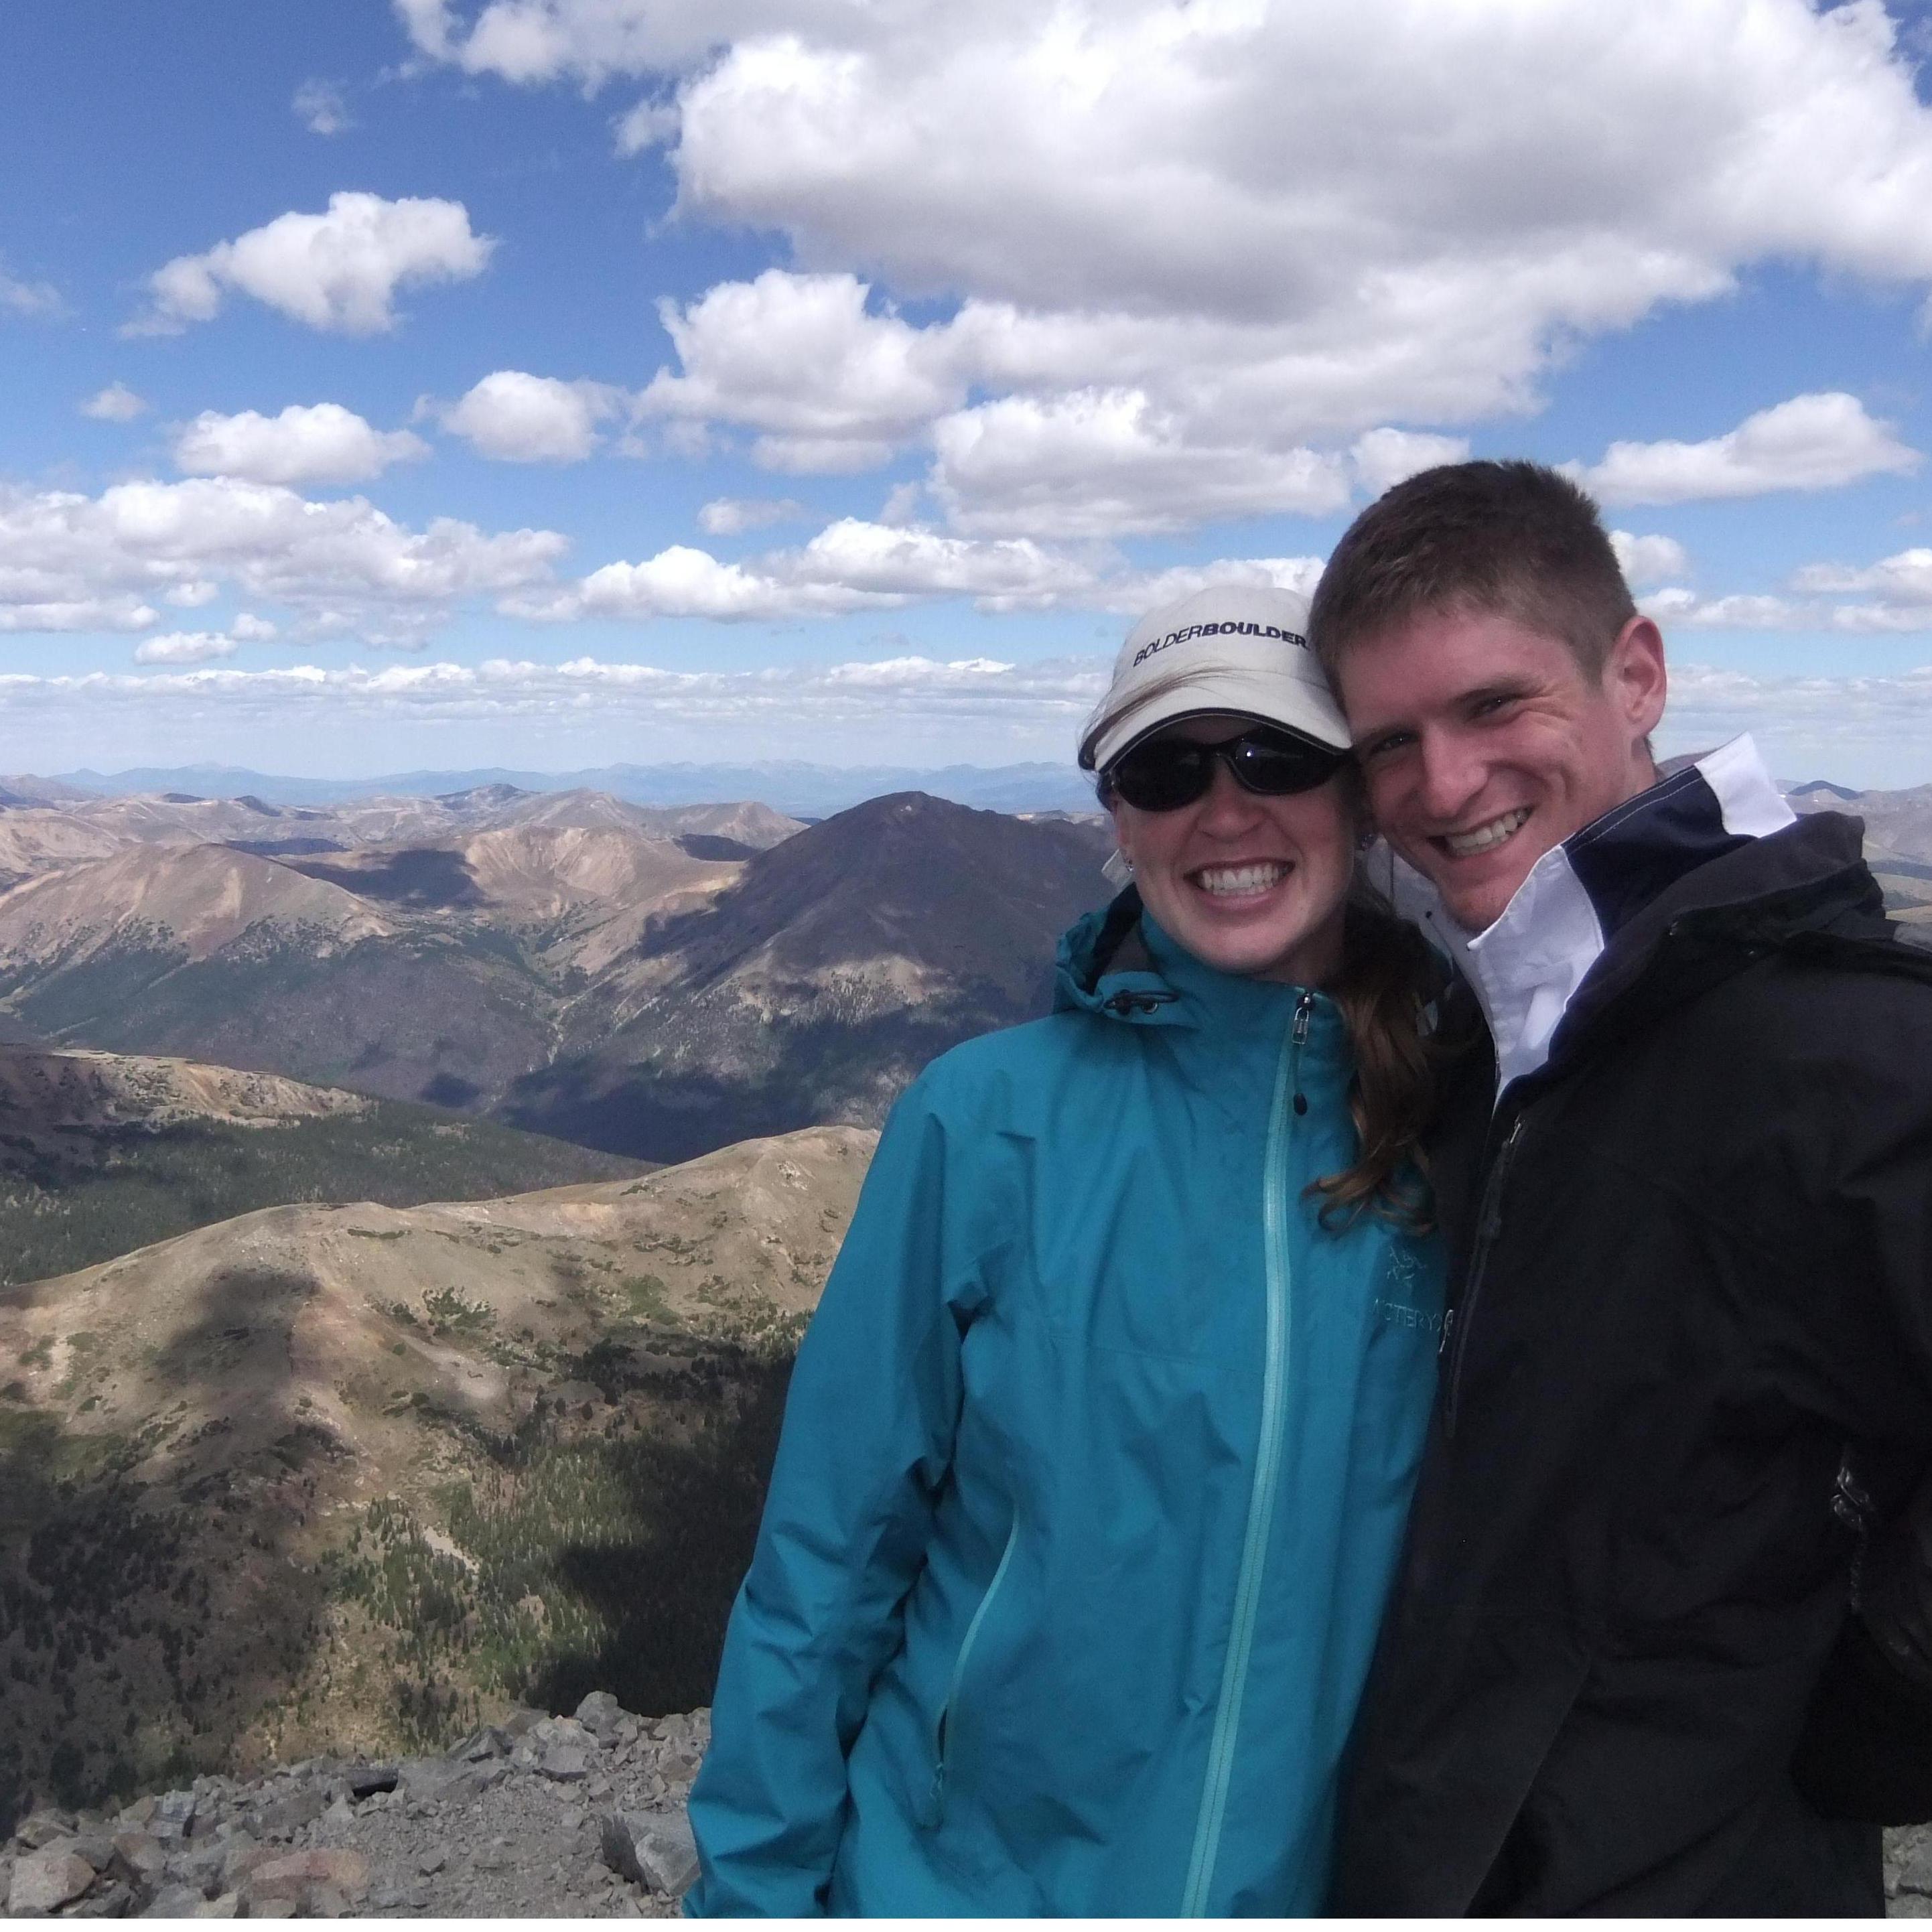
537	1816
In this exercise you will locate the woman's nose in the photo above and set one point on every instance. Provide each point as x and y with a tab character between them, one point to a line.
1229	806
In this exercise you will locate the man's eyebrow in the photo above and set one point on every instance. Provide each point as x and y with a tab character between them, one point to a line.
1501	687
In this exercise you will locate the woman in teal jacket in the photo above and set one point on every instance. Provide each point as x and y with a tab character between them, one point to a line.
1099	1445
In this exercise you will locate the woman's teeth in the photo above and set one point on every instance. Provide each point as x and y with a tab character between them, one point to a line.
1485	838
1234	881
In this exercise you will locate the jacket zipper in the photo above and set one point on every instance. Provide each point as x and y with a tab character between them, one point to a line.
1456	1323
1267	1465
943	1730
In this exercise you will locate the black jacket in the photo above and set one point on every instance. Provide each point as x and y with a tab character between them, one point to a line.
1694	1335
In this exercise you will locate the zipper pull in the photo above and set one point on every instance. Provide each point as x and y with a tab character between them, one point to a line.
1304	1012
1448	1332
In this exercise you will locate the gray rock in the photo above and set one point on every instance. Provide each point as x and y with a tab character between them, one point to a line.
300	1805
488	1742
44	1829
228	1905
652	1849
141	1858
173	1815
1909	1861
204	1866
565	1762
367	1780
432	1861
176	1901
599	1713
112	1900
44	1880
96	1847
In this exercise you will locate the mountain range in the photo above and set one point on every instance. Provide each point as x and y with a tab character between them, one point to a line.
654	982
810	790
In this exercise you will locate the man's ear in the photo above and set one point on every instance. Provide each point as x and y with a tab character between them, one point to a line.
1635	678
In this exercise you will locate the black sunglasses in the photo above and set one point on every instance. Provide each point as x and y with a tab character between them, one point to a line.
1164	774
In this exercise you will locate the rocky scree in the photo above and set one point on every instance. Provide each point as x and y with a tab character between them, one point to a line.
538	1816
581	1816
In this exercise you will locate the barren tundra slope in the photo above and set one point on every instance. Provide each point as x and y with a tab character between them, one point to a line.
355	1476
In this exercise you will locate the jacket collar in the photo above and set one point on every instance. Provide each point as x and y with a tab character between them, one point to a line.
1527	969
1118	962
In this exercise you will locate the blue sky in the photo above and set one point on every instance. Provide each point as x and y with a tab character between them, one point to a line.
549	381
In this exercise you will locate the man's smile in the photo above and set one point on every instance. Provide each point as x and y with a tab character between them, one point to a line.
1487	837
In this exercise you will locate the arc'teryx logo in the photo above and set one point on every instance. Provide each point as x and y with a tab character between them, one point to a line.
1394	1304
1229	630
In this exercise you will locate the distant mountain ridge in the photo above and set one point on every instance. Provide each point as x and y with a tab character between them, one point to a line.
653	981
795	787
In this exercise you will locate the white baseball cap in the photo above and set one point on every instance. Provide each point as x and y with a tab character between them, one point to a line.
1241	648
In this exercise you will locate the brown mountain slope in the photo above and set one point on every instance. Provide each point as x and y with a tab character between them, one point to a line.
816	987
188	902
34	840
53	1092
348	1475
526	874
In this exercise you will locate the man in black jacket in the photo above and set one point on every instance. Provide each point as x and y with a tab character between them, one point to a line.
1662	1637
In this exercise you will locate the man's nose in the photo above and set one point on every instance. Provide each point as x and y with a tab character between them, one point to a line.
1452	774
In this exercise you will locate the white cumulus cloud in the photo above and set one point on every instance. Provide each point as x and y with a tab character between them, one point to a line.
1116	201
1097	462
1385	458
322	442
117	403
1650	559
517	417
319	106
339	271
36	301
800	357
70	561
184	647
732	516
1811	442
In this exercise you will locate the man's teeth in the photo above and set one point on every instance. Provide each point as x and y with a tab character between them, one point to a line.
1226	881
1485	838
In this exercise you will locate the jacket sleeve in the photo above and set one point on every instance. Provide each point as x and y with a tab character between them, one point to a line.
867	1440
1866	1749
1866	1752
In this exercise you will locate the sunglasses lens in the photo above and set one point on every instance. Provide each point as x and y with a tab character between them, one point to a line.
1165	775
1277	764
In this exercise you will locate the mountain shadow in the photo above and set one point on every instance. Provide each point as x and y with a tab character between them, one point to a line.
663	1594
149	1602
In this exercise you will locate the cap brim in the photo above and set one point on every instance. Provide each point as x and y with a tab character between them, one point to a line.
1301	709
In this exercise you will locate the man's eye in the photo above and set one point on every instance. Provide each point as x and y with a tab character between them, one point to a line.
1490	706
1381	747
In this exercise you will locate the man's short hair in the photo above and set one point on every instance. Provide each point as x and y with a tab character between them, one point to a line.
1516	540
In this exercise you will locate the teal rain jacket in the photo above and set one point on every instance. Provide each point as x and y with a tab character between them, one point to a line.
1096	1461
